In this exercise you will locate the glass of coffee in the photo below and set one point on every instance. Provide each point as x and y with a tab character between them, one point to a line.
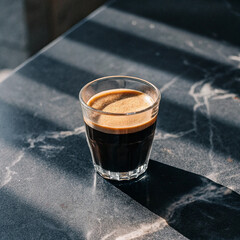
120	115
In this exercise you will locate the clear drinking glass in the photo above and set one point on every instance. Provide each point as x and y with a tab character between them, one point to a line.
120	115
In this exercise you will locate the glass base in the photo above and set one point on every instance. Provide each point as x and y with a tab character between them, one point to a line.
120	176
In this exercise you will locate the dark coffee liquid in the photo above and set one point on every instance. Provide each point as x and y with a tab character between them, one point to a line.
120	152
120	143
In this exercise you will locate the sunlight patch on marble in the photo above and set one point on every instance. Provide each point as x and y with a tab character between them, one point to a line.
187	41
41	105
100	55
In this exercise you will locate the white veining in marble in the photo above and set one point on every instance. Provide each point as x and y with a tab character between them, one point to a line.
9	172
170	83
88	235
32	141
42	144
85	197
236	59
107	236
207	192
202	92
191	44
140	231
4	74
161	135
144	229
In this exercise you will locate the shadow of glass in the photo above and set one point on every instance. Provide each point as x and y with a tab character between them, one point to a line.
194	17
195	206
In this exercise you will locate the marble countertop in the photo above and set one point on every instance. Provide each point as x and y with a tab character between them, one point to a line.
48	187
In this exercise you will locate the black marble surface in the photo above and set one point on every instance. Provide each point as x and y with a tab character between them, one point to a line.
48	187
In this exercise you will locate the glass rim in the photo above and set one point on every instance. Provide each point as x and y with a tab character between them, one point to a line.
120	114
